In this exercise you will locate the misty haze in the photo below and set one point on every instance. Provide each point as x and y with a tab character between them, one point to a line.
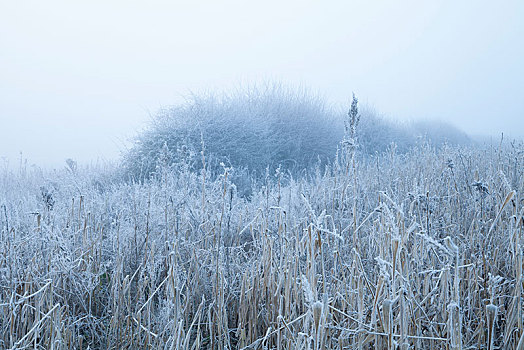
274	175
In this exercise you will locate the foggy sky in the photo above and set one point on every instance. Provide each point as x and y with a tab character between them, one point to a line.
77	79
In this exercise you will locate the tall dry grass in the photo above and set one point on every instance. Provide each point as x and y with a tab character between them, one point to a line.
415	251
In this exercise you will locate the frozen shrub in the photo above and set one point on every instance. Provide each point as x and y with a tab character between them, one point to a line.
259	129
254	129
440	132
377	133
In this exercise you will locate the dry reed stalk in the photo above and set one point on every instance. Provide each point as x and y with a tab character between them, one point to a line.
387	309
491	313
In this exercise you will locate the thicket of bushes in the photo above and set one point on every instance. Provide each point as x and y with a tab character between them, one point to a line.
267	127
378	133
252	129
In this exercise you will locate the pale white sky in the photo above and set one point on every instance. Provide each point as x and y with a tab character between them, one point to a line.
77	78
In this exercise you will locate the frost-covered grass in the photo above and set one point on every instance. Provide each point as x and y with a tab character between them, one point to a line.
420	250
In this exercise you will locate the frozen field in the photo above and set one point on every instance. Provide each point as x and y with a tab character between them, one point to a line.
417	250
